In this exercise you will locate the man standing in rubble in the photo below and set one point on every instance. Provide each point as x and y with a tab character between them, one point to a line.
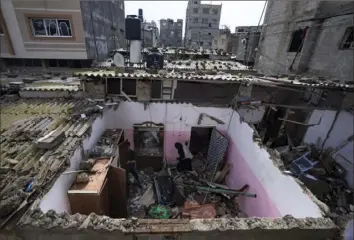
131	164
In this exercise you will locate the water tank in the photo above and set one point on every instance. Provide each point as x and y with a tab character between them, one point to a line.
132	28
135	51
154	60
140	15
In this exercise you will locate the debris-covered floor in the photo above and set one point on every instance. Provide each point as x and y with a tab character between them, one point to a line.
187	194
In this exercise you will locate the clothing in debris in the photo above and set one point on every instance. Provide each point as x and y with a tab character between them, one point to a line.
184	157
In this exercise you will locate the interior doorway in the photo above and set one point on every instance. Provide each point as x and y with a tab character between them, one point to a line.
200	140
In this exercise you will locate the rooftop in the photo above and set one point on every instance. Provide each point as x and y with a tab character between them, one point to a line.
25	164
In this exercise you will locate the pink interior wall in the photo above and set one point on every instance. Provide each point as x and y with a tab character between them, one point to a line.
170	138
241	174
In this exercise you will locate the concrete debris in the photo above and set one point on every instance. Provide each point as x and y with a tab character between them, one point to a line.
148	197
51	140
11	203
326	181
82	178
87	165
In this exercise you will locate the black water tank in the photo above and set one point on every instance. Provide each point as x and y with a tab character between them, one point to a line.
154	60
140	14
132	28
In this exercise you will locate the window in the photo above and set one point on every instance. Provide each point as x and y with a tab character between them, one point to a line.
240	30
195	10
129	87
209	24
296	41
1	30
214	20
209	34
172	33
179	24
164	23
195	20
215	11
347	40
113	86
210	44
156	89
49	27
204	20
206	10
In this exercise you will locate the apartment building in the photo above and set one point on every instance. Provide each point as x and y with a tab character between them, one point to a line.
221	40
150	34
60	33
318	43
202	24
245	41
171	32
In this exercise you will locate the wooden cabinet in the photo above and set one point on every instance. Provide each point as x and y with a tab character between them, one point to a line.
104	194
91	197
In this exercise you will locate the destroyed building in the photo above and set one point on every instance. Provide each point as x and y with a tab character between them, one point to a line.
197	150
63	160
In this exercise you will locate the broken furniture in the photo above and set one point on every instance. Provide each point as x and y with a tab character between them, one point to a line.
103	194
149	145
164	189
92	196
302	165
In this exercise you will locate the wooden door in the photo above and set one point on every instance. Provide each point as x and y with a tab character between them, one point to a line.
117	192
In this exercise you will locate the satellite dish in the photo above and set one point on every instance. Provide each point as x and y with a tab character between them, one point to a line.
118	60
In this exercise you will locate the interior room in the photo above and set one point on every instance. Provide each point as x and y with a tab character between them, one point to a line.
229	175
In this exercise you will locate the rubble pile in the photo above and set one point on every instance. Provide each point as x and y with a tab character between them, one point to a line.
326	180
192	195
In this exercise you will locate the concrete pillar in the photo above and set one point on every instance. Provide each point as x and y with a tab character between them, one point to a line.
9	15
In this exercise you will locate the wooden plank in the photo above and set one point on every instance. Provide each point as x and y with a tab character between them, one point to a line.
117	192
104	199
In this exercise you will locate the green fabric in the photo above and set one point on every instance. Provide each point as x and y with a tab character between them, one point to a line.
159	212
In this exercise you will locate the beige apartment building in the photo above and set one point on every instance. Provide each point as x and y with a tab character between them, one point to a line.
60	32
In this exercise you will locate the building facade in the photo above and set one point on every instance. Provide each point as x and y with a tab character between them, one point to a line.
319	42
150	34
221	40
202	24
171	32
245	42
60	33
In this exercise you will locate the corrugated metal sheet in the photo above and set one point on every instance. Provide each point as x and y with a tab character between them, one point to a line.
24	121
217	77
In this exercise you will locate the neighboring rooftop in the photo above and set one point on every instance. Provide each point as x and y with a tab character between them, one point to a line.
26	167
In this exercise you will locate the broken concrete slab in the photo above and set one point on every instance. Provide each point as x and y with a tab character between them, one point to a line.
51	140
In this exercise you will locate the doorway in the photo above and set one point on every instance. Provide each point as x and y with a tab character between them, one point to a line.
200	140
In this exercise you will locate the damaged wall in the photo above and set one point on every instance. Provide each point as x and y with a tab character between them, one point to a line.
277	194
57	198
334	129
177	118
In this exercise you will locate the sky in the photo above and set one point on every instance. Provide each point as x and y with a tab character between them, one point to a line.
233	13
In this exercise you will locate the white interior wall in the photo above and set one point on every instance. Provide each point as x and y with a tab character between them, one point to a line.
175	117
342	129
57	198
285	193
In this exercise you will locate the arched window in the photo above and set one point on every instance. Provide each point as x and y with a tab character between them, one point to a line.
64	28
